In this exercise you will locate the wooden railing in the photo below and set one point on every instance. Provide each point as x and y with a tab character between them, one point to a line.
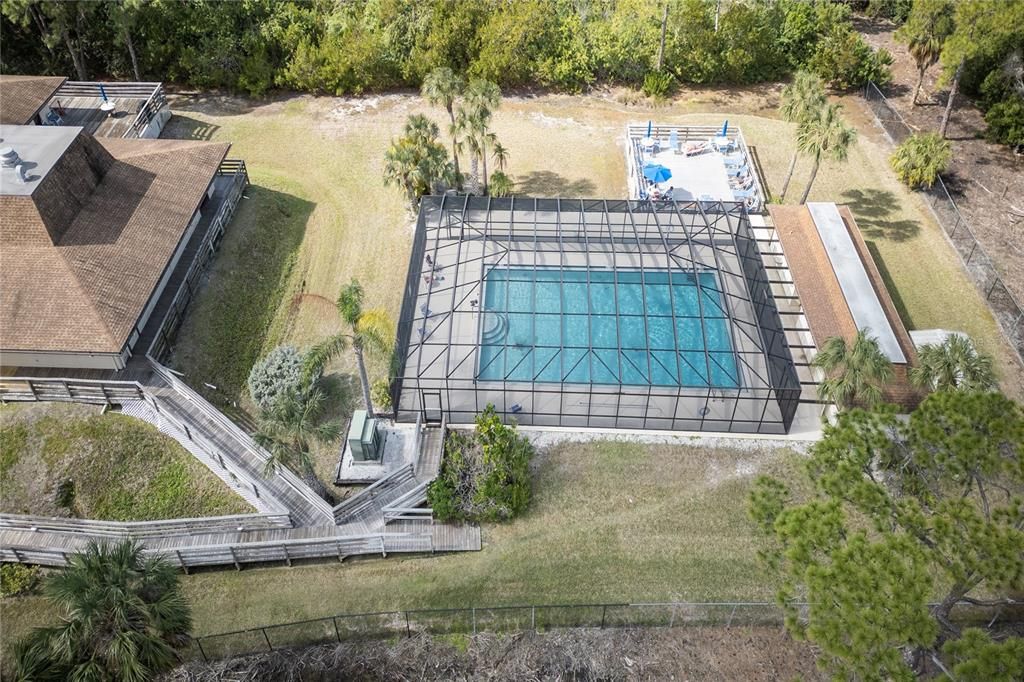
19	389
242	438
189	556
152	94
160	345
368	496
146	529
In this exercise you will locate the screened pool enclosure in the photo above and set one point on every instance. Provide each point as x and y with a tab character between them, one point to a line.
592	313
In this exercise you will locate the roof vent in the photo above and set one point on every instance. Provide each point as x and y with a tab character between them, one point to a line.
8	157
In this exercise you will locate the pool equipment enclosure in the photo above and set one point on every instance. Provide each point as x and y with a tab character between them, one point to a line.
460	241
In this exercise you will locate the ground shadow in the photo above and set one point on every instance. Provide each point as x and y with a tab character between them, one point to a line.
344	395
874	209
890	285
227	324
187	128
550	184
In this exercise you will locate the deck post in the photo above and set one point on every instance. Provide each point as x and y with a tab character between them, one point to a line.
341	557
383	549
287	557
17	555
181	561
234	558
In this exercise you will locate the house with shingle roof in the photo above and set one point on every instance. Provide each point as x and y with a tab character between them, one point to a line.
91	231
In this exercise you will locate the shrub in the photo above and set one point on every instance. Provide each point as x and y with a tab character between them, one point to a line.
1006	122
18	579
484	475
658	84
501	185
920	159
844	60
278	373
380	393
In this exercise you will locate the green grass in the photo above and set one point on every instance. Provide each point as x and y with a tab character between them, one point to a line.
120	468
609	522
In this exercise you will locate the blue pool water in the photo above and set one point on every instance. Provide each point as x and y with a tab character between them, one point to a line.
536	327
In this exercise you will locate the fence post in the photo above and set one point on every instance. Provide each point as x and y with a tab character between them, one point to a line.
408	630
969	257
269	646
533	617
672	618
202	652
604	612
729	624
474	619
337	632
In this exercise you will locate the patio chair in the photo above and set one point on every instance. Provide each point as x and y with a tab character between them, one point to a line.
54	119
734	160
695	148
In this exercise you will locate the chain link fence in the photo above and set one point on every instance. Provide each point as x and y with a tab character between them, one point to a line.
469	621
979	265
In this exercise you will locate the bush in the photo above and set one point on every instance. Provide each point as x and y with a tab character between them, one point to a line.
380	393
277	374
1006	122
501	185
844	60
920	159
484	475
658	84
18	579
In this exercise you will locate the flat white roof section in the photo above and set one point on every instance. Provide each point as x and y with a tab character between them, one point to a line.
853	279
38	147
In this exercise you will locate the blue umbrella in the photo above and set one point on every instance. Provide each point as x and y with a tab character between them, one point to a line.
103	93
725	128
655	172
648	128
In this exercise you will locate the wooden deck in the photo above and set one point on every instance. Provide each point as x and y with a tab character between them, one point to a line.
135	104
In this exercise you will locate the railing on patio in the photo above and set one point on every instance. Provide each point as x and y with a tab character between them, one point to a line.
152	94
979	265
235	169
29	389
684	135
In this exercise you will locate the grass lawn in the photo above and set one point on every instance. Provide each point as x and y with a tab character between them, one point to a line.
108	466
319	214
609	522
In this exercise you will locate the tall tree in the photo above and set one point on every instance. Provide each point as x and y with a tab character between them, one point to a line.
929	24
124	15
369	331
801	100
58	23
953	365
443	87
290	428
854	373
977	27
825	135
123	618
473	120
900	511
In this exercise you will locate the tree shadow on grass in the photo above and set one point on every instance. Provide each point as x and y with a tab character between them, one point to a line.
874	209
890	285
188	128
227	325
550	184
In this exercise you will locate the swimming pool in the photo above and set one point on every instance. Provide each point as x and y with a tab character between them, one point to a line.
606	327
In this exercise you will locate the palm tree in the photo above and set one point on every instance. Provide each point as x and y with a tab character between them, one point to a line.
855	373
368	331
416	161
500	155
289	429
929	24
473	122
442	86
802	99
124	617
953	365
919	160
825	135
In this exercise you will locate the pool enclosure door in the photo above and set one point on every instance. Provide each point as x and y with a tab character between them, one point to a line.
430	402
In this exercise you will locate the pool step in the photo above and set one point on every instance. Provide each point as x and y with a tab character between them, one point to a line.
497	331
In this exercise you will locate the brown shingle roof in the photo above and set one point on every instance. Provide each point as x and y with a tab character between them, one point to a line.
84	291
822	297
22	96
